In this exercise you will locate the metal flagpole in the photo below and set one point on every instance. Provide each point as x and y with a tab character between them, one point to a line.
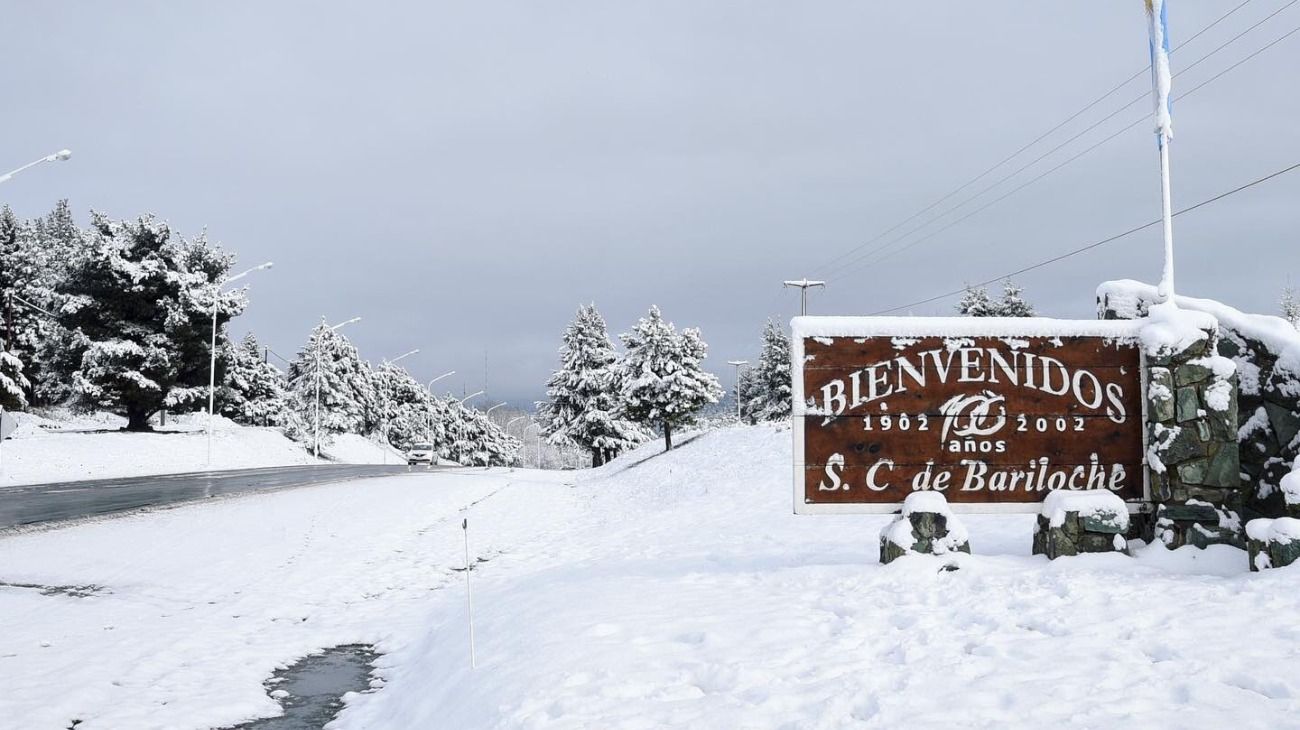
1158	28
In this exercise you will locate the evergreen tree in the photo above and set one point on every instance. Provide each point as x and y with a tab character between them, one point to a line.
583	395
1290	307
1013	304
13	384
466	436
662	382
138	308
254	391
977	303
765	389
55	243
404	407
347	396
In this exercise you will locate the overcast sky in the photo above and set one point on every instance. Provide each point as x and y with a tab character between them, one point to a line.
463	175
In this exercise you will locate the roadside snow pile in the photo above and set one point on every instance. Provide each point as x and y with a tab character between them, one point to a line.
93	447
351	448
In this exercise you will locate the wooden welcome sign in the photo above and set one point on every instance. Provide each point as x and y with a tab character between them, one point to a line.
993	413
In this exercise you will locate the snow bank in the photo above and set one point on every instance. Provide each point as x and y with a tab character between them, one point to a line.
664	590
69	447
350	448
93	447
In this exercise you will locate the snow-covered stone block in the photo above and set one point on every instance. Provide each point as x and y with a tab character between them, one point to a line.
924	526
1092	521
1273	543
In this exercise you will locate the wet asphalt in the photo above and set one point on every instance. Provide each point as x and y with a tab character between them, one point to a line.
36	504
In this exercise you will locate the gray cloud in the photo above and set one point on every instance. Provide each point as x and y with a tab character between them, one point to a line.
464	174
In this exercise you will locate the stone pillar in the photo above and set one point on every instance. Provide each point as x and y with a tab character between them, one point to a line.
925	526
1273	543
1193	465
1070	523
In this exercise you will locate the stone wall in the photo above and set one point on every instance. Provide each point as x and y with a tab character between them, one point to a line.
1266	351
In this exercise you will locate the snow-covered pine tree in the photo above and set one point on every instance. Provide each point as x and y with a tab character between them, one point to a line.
1290	307
347	397
468	437
766	387
138	306
404	408
976	303
582	405
1013	303
55	243
254	391
13	384
662	382
23	326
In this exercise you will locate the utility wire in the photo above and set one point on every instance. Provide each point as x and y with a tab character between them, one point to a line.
861	259
1095	244
1051	131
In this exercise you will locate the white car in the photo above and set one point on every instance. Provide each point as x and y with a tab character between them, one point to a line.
421	453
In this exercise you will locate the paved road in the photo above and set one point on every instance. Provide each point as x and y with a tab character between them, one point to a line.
36	503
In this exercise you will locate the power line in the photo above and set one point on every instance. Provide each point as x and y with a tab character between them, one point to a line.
1095	244
860	259
1048	133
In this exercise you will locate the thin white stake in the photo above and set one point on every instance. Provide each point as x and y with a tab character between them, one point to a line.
469	596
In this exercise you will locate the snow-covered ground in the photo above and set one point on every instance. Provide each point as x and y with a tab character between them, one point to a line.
663	590
93	447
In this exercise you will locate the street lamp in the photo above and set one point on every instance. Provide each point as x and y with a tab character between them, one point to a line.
316	427
471	395
803	285
383	403
488	412
212	349
59	156
739	364
537	443
434	397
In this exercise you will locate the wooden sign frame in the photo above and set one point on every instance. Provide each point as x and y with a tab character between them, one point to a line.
804	328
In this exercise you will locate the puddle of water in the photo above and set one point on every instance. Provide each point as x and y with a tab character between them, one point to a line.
311	690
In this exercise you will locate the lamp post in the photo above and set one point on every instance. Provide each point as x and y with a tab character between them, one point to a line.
804	285
383	403
212	348
488	412
316	427
471	395
447	374
59	156
739	365
537	443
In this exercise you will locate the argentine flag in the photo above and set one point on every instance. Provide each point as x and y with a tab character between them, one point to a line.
1160	76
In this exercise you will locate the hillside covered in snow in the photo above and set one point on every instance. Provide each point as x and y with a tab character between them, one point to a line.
661	590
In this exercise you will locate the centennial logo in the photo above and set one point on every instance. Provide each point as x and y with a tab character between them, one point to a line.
983	419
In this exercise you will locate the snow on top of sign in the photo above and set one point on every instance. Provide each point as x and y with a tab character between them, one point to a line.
1003	327
1126	297
1088	503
